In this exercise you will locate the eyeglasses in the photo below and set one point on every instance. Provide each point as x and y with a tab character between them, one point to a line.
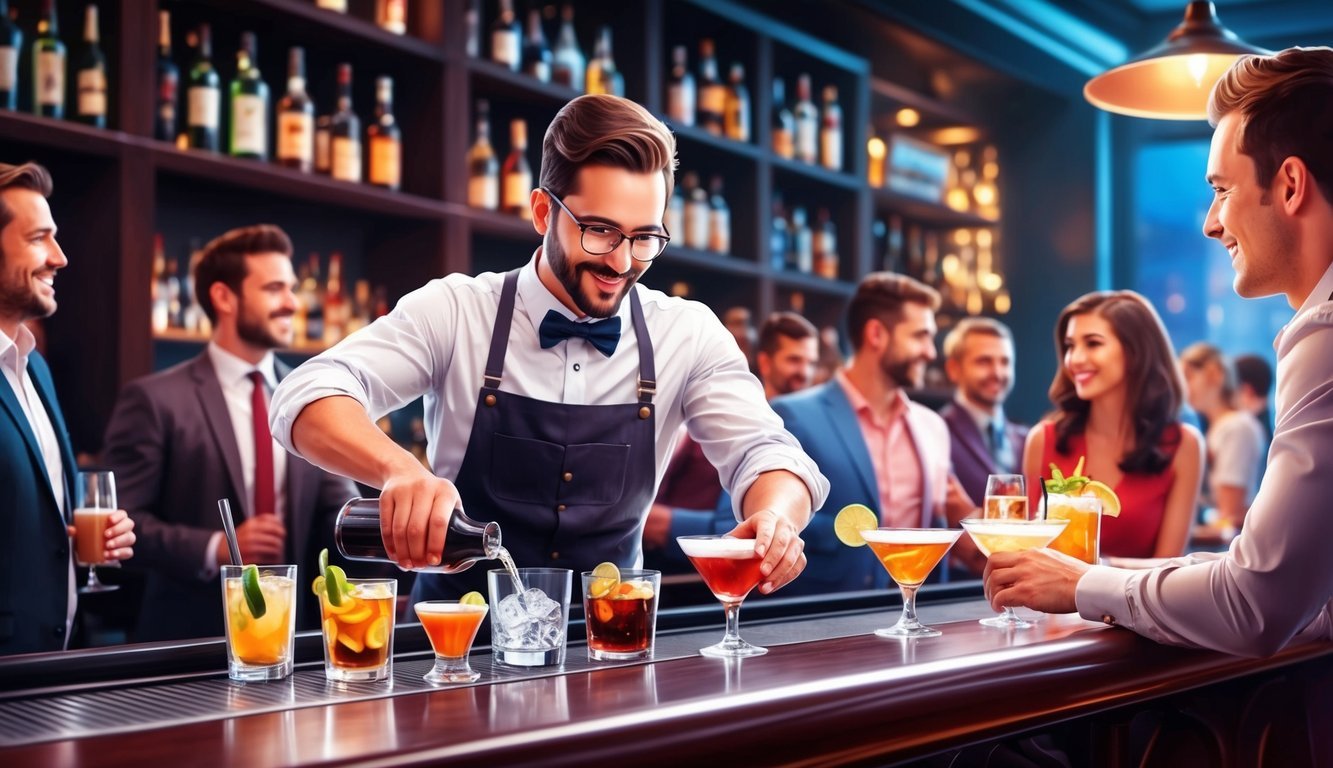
600	239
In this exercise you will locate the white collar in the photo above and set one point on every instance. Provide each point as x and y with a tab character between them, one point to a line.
1321	291
232	370
983	420
17	349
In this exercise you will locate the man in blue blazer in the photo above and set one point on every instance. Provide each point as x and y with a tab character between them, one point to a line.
37	467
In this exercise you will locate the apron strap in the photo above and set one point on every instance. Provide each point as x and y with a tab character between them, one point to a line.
647	368
495	362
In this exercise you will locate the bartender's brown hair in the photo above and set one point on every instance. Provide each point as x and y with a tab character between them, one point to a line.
223	260
881	296
27	176
598	129
1153	386
1286	106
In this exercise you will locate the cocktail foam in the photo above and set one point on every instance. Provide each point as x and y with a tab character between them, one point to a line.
911	535
443	607
733	549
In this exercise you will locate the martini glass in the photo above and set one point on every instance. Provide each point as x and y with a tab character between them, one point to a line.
730	568
909	555
993	536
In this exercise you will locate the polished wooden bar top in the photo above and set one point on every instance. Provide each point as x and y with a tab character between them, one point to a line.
844	699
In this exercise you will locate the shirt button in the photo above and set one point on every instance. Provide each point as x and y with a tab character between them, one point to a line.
559	507
569	476
577	367
1108	620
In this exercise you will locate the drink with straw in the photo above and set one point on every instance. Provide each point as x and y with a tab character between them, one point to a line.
258	609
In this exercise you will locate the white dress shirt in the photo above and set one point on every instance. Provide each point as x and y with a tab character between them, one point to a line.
1275	583
435	344
14	360
237	389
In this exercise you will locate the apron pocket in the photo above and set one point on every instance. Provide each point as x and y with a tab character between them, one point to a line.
599	471
525	470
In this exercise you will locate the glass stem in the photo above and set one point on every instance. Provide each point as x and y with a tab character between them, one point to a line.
92	577
909	605
733	636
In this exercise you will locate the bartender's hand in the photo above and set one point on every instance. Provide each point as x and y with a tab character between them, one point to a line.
1040	579
415	507
778	542
119	534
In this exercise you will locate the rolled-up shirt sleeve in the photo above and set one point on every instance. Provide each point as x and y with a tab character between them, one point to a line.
727	415
384	366
1275	583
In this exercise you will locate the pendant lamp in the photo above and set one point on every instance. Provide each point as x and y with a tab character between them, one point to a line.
1172	81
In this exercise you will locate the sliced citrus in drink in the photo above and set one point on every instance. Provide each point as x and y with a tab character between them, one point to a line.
851	520
359	612
353	645
254	596
317	586
605	577
472	598
1110	501
331	631
378	634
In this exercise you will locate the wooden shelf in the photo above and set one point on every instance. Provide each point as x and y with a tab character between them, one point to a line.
817	173
63	135
717	262
700	136
499	80
814	283
931	109
286	182
495	223
925	212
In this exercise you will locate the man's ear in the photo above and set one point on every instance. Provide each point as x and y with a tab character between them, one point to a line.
1293	183
540	205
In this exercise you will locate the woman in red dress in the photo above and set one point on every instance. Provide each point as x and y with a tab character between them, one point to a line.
1117	398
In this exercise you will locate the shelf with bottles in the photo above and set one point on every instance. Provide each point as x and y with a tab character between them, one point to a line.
710	73
963	263
503	159
711	212
694	276
62	68
810	234
18	130
825	109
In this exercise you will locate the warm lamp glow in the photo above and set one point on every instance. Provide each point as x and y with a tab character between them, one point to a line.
1002	303
991	281
907	117
1173	80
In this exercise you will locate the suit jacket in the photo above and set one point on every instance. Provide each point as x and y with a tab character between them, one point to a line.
972	461
172	446
822	419
34	545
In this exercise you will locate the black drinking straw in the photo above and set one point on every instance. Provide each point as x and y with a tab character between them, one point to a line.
1045	502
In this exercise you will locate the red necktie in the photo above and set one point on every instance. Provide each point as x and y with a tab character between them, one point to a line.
264	501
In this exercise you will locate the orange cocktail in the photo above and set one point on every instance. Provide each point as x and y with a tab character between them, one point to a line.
260	647
909	555
1082	537
358	632
451	627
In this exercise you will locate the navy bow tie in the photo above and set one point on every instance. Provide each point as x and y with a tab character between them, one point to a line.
603	334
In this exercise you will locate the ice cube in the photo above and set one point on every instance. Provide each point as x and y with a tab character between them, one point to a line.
540	607
552	636
511	614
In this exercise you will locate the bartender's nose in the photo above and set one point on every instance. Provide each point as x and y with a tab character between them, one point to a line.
619	258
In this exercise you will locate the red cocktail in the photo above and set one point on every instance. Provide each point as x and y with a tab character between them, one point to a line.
730	568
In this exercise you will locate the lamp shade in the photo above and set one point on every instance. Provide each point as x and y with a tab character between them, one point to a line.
1173	80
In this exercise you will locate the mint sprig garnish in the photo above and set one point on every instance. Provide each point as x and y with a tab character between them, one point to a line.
1060	483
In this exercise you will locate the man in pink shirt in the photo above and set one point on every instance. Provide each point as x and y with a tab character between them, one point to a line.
1271	169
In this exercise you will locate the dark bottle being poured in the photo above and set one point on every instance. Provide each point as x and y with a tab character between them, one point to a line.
357	534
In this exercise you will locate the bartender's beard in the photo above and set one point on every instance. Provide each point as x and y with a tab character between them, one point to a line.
571	278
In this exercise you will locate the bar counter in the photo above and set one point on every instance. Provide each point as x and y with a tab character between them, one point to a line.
829	692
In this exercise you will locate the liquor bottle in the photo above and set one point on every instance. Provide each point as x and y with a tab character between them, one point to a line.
345	132
324	145
392	15
312	298
567	62
681	93
738	105
11	42
339	6
719	219
48	65
674	220
158	318
204	96
517	174
296	118
173	292
386	146
825	246
603	77
830	133
802	242
807	123
168	81
472	28
505	39
356	531
90	74
784	125
249	104
536	53
779	235
697	214
483	170
712	91
335	304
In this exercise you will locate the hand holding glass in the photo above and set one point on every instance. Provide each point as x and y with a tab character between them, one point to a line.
730	569
94	502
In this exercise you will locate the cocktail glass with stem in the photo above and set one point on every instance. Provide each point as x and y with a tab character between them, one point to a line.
993	536
730	569
909	555
451	627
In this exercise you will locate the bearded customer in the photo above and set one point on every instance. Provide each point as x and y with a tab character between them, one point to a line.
183	438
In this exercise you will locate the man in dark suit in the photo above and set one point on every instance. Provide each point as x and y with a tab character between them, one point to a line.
183	438
979	359
37	467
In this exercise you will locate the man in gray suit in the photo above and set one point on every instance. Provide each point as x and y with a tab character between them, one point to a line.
183	438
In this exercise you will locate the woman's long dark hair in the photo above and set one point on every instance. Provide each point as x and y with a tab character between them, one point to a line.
1154	389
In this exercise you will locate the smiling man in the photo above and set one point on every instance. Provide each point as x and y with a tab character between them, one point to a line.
37	598
183	438
554	392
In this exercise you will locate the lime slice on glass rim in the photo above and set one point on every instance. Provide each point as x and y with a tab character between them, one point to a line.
605	578
335	584
851	520
472	598
254	596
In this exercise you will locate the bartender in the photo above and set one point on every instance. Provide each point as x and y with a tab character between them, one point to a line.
553	393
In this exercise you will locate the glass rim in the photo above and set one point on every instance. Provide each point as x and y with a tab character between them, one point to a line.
260	567
532	570
624	571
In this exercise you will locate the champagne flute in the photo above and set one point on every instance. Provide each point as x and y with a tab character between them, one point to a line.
94	501
1006	499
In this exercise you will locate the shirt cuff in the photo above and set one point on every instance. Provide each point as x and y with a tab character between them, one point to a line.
1102	595
210	569
799	464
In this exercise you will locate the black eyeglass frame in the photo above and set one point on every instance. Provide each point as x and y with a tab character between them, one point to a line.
664	238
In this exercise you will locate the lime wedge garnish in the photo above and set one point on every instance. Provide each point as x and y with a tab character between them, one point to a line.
851	520
317	586
254	596
335	583
323	559
472	598
605	577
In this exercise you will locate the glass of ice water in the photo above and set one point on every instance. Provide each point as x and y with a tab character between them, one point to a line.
530	619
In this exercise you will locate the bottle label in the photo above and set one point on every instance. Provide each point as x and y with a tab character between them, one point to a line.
680	103
385	162
783	145
249	123
50	79
807	140
9	68
483	192
713	100
504	47
719	232
697	222
831	148
204	107
295	134
323	150
333	5
517	191
346	159
166	95
393	16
